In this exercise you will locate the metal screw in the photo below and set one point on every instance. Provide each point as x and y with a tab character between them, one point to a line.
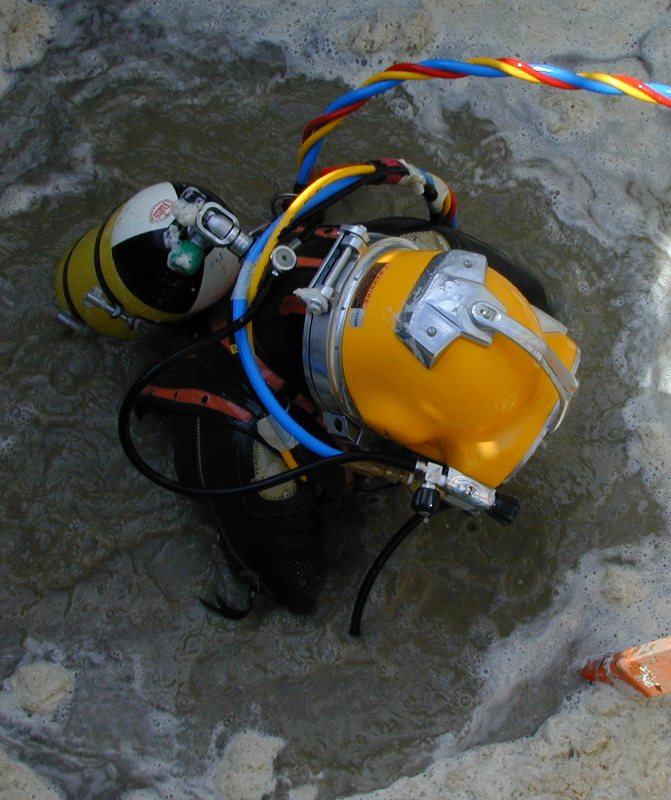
431	331
468	263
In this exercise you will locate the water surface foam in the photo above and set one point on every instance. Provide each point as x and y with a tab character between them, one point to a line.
598	159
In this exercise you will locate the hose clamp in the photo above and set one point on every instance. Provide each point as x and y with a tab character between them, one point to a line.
352	239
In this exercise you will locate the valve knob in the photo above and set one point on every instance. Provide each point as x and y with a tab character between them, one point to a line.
505	508
426	500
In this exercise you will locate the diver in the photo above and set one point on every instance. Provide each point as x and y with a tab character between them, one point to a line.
399	349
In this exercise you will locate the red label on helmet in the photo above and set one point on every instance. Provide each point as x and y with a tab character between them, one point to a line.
161	211
367	284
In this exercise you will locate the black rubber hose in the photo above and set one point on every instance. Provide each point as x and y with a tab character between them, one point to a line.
267	483
149	472
136	389
388	550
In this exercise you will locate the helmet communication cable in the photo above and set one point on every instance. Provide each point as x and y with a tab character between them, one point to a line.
558	77
376	567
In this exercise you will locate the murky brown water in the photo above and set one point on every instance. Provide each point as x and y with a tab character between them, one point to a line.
103	571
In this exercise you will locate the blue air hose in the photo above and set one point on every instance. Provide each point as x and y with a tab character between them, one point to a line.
247	358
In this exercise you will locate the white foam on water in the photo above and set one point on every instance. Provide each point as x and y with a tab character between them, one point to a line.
40	688
19	782
140	794
606	746
603	742
33	696
334	40
246	770
18	198
600	744
305	792
612	600
648	413
25	29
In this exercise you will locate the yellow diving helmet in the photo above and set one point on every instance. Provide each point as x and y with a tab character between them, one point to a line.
434	350
151	262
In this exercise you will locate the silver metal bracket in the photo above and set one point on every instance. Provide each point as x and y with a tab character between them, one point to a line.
71	322
343	427
437	310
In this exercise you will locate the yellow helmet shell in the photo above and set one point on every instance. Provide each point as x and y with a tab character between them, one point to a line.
413	364
124	261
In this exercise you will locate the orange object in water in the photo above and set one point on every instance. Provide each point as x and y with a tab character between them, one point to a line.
647	668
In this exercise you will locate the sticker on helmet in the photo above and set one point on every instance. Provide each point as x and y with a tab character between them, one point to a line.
365	289
160	211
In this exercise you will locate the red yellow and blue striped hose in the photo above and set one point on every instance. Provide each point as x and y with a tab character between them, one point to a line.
560	78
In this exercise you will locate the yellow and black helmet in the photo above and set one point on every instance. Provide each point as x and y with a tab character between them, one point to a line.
436	351
139	269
